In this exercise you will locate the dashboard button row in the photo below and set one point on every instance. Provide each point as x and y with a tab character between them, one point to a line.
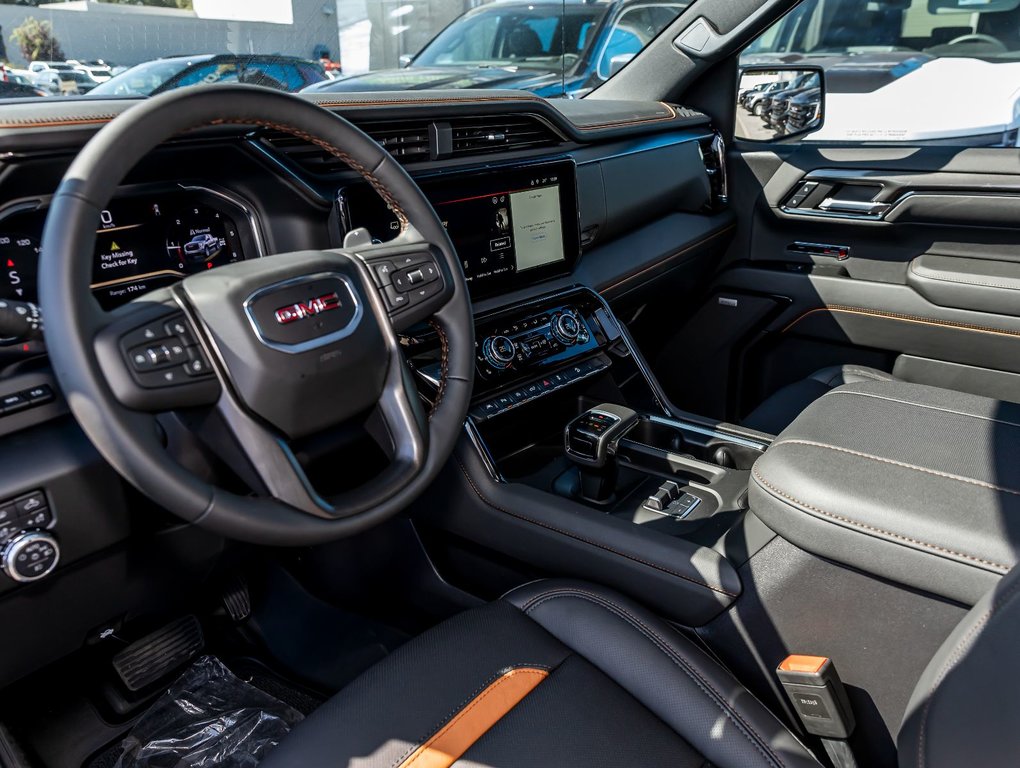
539	388
30	511
27	398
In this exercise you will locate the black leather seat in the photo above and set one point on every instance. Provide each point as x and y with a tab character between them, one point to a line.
556	674
778	411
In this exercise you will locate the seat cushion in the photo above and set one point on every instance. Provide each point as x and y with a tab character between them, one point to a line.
556	674
779	410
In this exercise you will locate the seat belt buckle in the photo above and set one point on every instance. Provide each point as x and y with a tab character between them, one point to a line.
818	695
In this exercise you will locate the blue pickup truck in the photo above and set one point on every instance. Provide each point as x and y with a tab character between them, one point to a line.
548	47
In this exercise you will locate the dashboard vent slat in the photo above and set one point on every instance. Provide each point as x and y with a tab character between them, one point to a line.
472	136
416	141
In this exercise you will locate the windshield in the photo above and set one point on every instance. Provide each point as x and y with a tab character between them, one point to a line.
138	48
499	36
143	79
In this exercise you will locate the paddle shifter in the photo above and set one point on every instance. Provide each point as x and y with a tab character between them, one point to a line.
590	442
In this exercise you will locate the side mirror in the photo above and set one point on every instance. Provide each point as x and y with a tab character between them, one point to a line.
404	60
779	102
618	62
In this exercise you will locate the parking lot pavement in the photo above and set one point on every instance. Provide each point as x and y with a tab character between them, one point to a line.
751	127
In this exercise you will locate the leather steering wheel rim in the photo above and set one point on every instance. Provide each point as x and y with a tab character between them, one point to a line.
128	438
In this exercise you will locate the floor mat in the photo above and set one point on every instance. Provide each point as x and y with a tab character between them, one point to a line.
211	717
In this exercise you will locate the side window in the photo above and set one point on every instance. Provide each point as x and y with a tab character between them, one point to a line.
632	31
896	71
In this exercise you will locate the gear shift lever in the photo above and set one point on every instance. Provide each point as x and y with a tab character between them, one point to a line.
590	441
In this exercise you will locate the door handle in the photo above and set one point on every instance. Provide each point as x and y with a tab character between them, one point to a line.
853	207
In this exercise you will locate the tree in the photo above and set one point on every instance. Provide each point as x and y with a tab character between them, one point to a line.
36	41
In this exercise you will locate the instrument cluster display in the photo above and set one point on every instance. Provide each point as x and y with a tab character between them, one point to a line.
143	242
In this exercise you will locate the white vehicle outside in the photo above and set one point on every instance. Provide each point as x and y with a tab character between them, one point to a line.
943	71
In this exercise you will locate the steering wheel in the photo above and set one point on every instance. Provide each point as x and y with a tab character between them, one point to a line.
977	37
275	350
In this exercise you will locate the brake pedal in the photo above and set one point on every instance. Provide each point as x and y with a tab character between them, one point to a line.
237	600
156	655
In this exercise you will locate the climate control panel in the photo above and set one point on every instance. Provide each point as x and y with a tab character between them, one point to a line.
530	341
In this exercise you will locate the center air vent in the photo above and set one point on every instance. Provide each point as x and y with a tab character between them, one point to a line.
479	135
416	141
408	142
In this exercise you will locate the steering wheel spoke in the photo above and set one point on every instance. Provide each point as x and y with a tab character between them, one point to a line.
152	356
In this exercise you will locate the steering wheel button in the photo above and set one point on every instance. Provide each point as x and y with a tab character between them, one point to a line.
383	271
179	327
395	301
197	365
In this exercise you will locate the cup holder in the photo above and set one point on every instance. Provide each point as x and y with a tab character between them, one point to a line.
679	448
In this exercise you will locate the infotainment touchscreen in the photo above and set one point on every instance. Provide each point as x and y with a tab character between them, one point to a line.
511	225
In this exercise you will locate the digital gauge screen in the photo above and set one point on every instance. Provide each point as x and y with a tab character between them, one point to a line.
151	242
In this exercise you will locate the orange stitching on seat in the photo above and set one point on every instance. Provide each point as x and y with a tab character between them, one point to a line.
666	649
894	462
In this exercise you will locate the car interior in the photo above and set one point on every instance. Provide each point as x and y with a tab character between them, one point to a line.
472	428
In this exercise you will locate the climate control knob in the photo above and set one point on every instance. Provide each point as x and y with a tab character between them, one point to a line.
499	351
30	556
566	327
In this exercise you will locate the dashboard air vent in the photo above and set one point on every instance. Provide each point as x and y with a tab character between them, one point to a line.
408	142
415	141
479	135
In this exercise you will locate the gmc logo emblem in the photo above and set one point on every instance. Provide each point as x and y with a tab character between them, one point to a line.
317	306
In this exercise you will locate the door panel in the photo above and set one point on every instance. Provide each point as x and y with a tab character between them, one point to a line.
887	253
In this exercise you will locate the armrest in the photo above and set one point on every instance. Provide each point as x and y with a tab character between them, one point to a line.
984	285
907	482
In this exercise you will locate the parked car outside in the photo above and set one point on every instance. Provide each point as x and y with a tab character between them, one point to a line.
285	73
755	104
13	90
98	70
549	47
54	76
775	116
803	110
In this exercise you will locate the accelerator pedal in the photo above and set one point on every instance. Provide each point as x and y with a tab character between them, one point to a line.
236	599
156	655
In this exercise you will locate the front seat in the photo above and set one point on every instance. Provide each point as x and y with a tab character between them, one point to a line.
779	410
557	674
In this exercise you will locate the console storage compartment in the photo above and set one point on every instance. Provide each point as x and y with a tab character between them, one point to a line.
907	482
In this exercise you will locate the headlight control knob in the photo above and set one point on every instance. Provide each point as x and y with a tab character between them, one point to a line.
30	556
499	351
